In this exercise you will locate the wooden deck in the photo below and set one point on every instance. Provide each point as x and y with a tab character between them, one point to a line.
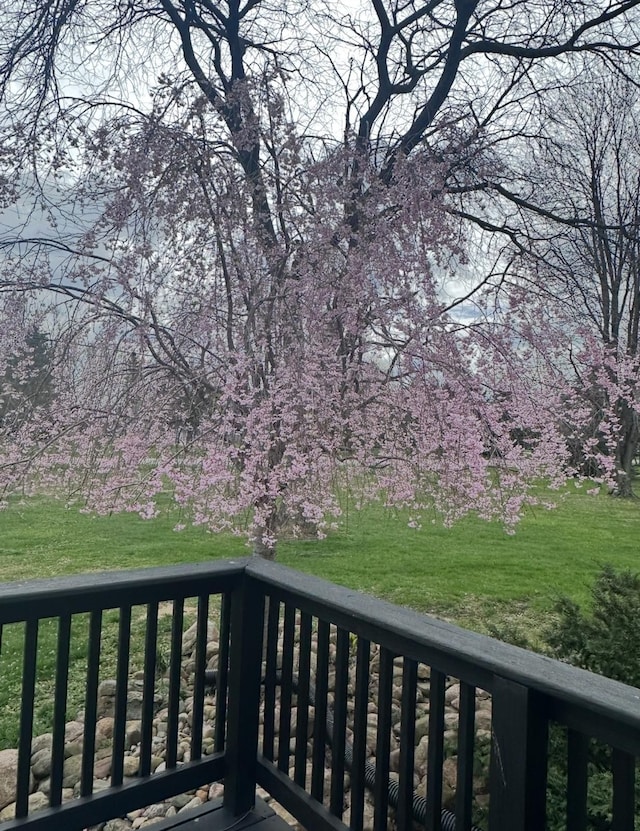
214	817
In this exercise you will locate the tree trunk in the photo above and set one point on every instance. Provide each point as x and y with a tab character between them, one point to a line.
628	448
265	535
262	549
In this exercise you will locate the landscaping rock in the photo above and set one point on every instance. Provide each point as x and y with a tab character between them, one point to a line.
8	768
157	812
37	802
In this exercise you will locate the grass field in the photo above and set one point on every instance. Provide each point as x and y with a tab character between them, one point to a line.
474	573
469	572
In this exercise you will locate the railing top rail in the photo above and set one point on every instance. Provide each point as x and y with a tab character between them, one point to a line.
572	695
475	657
24	599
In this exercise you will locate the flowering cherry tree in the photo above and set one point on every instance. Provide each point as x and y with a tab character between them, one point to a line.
251	230
191	375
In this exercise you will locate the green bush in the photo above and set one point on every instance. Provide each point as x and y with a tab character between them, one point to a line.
608	639
604	639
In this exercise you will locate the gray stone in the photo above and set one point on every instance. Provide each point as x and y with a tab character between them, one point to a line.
449	782
104	728
71	771
156	761
102	768
420	756
158	809
134	705
453	691
190	636
422	727
131	765
41	763
180	800
107	688
73	748
195	802
73	731
104	752
216	791
451	720
372	739
483	720
8	768
117	825
37	802
44	742
133	733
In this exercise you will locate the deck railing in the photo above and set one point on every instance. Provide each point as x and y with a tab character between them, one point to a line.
349	711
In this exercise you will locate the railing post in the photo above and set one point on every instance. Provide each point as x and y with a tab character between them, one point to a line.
245	667
518	771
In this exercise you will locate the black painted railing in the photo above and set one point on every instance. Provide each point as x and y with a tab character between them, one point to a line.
349	711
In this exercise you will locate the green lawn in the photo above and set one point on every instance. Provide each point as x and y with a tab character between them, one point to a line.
40	538
473	573
456	571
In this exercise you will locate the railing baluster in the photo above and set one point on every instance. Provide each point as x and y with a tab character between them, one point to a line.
223	675
383	741
336	804
435	750
91	702
26	717
60	710
175	672
624	774
197	712
122	689
577	780
273	623
149	687
407	743
286	696
320	730
304	671
464	777
363	656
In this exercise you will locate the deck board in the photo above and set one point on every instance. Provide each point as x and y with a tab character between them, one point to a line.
213	816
